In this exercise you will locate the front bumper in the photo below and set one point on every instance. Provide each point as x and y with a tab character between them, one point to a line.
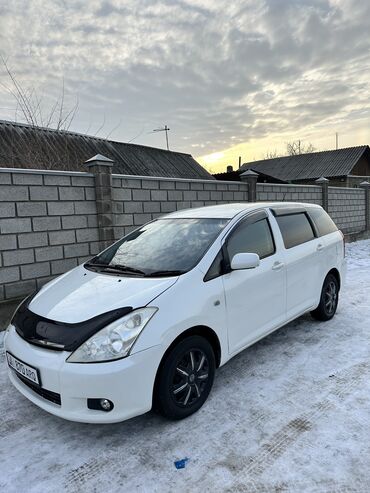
128	382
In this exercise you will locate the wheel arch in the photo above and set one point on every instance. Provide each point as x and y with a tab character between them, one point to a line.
199	330
336	274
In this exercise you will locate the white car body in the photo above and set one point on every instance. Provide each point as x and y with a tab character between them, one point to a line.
239	307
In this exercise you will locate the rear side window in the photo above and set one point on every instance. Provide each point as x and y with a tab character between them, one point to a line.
295	229
252	238
323	222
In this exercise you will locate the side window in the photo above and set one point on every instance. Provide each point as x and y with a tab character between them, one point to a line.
252	238
216	268
295	229
323	222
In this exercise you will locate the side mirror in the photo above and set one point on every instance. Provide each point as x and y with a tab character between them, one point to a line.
245	261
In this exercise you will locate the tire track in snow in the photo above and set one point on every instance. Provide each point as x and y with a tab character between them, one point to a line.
301	487
84	475
246	471
251	468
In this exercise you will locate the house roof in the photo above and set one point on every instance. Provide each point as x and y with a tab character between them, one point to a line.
339	162
25	146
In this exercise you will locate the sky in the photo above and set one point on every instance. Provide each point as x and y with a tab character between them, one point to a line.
229	78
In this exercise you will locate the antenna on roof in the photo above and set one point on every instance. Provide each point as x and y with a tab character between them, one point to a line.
336	140
164	129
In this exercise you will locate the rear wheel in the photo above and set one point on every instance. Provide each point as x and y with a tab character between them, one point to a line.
185	378
328	300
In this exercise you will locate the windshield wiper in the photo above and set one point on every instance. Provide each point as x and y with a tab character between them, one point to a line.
126	268
114	267
95	264
164	273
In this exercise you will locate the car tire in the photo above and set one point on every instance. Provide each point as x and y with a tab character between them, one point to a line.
185	378
328	299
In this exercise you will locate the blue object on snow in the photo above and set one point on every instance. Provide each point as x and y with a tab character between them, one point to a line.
180	464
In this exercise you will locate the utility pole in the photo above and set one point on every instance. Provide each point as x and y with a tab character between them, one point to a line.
164	129
336	140
240	162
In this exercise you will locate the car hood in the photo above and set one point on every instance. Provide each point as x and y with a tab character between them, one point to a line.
81	294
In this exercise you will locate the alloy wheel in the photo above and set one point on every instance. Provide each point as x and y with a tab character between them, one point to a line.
331	295
190	377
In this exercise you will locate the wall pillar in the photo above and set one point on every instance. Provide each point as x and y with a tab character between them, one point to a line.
366	186
324	184
251	178
101	167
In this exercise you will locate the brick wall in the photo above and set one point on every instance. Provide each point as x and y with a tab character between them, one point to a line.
49	221
138	200
347	208
289	193
47	226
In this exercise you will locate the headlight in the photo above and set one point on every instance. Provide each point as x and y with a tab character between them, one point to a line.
115	340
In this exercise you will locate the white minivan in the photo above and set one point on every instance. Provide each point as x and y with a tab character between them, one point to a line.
145	323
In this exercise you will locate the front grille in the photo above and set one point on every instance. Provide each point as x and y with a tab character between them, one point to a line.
46	394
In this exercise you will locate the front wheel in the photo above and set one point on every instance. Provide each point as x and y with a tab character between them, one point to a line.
328	300
185	378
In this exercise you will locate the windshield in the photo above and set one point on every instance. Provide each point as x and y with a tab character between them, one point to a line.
164	246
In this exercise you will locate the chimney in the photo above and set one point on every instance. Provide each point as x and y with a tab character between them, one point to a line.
229	169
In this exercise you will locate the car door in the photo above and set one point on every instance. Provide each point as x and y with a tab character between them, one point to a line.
303	257
255	298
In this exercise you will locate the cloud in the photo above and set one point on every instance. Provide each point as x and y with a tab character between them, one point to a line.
218	73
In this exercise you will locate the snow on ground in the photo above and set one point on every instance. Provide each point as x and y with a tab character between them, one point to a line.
291	413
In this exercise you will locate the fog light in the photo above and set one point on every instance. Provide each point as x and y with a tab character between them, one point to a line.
105	404
100	404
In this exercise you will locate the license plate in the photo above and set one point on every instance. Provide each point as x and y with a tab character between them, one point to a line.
26	371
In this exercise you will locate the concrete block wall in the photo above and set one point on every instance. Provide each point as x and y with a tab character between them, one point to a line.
347	208
47	226
289	193
49	221
137	200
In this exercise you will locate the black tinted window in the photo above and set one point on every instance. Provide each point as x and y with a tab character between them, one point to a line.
252	238
323	222
295	229
216	268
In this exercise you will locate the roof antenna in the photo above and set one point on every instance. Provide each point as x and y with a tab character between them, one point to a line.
336	140
164	129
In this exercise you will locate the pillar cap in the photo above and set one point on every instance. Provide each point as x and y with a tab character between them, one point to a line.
364	184
322	179
100	160
249	172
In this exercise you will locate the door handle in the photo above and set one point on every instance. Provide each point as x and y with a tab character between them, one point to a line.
277	266
320	247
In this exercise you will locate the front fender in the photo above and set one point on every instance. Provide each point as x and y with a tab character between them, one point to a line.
189	303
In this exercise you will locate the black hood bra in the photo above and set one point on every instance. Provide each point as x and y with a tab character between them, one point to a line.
60	336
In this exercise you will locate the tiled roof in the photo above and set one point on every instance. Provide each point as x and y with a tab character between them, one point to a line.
339	162
24	146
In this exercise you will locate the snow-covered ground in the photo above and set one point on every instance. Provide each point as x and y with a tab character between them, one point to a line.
291	413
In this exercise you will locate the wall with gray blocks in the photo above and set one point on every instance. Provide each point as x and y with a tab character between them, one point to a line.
138	200
48	220
292	193
345	205
347	208
47	226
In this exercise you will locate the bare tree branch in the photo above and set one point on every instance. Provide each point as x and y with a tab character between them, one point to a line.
114	128
297	147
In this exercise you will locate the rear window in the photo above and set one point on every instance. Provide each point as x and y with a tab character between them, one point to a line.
295	229
323	222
